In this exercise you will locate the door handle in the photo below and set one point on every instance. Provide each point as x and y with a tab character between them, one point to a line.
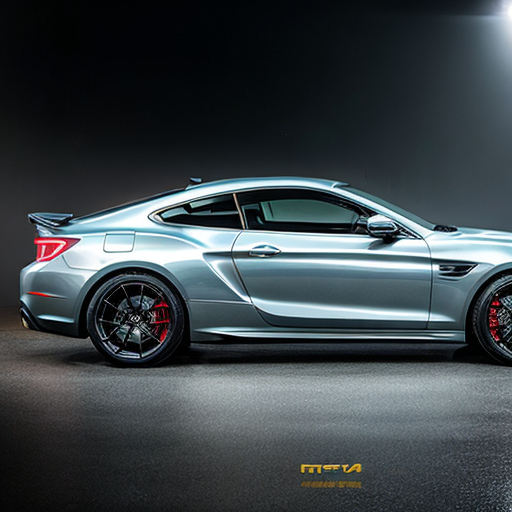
264	251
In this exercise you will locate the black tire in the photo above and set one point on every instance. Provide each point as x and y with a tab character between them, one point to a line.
492	319
135	320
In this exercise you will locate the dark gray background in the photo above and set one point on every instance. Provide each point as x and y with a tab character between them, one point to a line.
104	103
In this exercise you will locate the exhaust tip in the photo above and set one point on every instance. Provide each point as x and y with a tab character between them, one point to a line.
26	318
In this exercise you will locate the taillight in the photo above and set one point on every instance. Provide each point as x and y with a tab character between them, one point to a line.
49	248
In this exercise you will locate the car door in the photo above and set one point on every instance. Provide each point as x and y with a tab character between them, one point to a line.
307	261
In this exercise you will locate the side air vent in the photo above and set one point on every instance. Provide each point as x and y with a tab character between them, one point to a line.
455	269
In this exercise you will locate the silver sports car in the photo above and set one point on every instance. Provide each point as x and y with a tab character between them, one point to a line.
265	258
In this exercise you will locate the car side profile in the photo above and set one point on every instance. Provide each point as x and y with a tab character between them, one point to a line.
253	259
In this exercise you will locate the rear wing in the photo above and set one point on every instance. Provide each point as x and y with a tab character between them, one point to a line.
50	220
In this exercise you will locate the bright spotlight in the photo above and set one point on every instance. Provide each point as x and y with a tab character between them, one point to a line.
509	12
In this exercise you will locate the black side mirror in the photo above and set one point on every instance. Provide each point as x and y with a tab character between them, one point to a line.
380	226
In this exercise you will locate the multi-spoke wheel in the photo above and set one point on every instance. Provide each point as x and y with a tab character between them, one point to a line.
135	319
492	319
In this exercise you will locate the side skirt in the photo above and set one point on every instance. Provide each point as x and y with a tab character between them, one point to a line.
237	335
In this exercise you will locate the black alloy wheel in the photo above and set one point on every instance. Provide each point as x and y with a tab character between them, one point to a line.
492	319
135	320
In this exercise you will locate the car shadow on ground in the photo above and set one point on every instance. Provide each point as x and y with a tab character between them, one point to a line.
331	353
200	354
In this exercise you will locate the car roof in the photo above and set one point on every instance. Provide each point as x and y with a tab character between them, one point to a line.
239	184
270	181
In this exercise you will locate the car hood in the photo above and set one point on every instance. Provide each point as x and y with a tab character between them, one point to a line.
472	245
474	234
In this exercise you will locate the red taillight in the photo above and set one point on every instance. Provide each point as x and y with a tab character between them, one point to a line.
49	248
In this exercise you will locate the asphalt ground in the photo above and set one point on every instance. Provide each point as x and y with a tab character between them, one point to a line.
228	428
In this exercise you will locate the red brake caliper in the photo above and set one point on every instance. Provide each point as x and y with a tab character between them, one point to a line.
161	318
493	318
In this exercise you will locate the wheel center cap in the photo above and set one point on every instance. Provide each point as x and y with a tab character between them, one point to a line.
135	319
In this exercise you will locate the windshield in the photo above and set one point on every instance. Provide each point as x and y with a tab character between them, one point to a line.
418	220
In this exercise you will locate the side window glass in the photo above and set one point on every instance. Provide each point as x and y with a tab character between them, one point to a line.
212	212
300	211
306	210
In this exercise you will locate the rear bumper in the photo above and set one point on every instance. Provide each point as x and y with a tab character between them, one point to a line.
51	296
55	325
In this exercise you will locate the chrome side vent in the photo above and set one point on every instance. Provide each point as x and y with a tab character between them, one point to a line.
455	269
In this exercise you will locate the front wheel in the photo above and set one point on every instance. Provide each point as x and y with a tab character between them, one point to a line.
135	320
492	319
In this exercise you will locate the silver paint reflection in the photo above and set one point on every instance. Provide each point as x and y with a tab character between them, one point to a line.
316	285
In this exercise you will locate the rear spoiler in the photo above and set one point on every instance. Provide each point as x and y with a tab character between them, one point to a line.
50	220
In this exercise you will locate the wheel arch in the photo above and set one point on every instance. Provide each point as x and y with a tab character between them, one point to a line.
134	268
468	325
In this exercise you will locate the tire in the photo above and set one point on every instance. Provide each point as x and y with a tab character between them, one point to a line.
135	320
492	319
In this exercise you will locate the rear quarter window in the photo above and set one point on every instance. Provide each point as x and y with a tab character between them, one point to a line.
211	212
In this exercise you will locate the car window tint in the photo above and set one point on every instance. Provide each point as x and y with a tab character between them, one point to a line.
298	211
305	210
212	212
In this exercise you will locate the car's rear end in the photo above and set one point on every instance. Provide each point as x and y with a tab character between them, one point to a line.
49	287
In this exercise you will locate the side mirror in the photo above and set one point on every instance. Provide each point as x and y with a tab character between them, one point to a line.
380	226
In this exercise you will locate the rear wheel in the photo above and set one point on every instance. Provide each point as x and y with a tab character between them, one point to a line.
492	319
136	320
